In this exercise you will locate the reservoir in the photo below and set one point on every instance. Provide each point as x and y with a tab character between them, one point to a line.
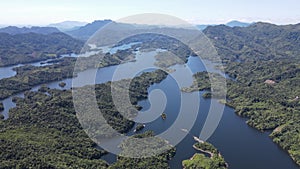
242	146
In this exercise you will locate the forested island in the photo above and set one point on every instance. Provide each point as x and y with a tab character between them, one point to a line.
29	76
213	161
61	142
261	59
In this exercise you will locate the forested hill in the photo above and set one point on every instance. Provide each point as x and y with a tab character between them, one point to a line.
259	41
31	47
264	60
13	30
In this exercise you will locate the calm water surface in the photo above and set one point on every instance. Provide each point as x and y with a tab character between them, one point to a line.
242	146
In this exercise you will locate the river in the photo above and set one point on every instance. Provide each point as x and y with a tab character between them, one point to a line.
242	146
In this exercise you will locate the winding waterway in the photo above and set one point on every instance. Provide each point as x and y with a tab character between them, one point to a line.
242	146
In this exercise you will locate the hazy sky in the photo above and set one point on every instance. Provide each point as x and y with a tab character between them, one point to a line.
43	12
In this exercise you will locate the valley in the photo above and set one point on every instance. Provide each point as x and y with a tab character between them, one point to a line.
251	56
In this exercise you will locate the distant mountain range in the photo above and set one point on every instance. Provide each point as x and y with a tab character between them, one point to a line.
13	30
68	25
230	24
237	24
85	32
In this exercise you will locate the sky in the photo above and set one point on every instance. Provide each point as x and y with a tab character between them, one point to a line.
43	12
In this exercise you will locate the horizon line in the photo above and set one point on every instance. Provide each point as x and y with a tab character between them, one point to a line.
191	22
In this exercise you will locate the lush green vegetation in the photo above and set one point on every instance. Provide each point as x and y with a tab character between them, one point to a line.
29	76
251	55
159	161
32	47
199	161
264	60
167	59
255	56
257	42
215	161
269	106
205	146
208	81
137	91
177	52
201	82
44	132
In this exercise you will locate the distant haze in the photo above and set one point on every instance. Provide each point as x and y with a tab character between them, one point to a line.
68	25
43	13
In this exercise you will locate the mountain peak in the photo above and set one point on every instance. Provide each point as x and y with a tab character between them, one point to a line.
88	30
68	25
236	23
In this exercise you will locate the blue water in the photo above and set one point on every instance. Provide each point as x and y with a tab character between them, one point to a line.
242	146
7	71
